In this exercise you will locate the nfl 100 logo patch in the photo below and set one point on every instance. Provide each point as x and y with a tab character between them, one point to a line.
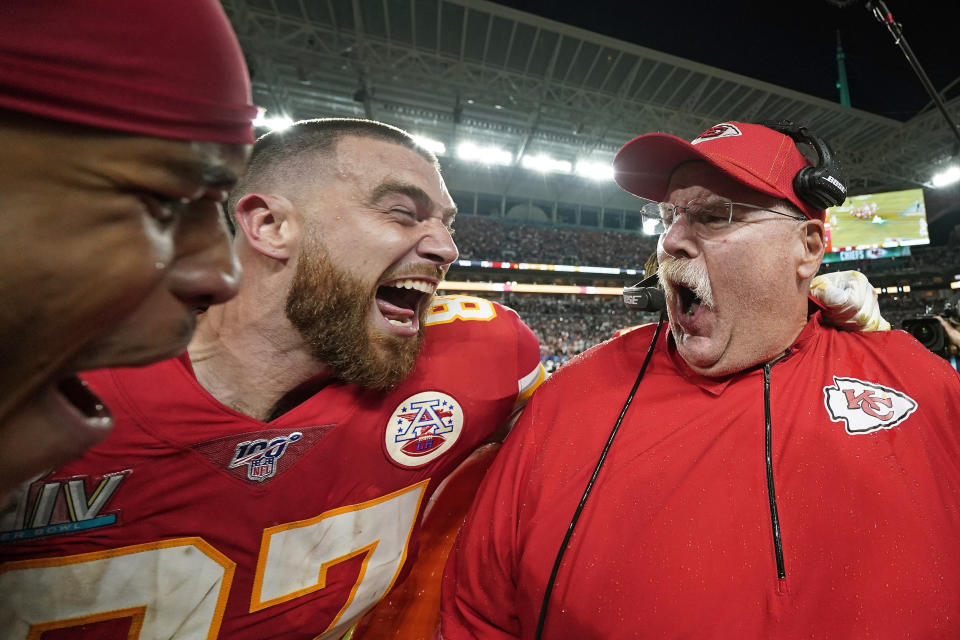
422	428
261	455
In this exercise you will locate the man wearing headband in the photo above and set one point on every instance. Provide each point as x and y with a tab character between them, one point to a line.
769	477
122	126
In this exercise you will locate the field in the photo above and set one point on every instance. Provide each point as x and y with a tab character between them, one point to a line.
883	219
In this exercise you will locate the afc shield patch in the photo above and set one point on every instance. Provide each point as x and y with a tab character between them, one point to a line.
865	407
422	428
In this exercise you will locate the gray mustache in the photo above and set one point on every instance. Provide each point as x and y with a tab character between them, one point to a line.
689	273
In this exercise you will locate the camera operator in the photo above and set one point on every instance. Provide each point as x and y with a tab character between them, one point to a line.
952	334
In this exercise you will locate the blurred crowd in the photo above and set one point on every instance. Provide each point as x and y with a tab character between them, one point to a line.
921	259
571	324
486	238
568	325
483	238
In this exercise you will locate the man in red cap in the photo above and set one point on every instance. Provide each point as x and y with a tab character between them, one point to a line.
122	126
751	473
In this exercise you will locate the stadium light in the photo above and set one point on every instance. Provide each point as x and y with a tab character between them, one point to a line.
598	171
650	227
946	177
435	146
484	155
276	123
546	164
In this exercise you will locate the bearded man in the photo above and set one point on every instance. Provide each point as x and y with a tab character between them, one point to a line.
270	483
749	473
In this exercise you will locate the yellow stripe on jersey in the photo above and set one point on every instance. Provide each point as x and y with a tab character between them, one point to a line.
529	383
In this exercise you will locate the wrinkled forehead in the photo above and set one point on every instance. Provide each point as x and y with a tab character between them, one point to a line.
202	164
699	179
369	162
178	164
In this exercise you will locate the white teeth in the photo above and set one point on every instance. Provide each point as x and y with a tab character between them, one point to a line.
400	323
419	285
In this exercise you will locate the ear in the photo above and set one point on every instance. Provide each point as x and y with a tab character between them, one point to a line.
813	244
268	223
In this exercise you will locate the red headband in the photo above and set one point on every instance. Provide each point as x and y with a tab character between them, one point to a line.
163	68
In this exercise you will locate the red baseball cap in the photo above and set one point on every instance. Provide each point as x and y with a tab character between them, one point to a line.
162	68
753	155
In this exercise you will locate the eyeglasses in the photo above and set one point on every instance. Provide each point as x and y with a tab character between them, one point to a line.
706	218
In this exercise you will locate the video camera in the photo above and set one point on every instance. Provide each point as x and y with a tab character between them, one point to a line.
928	330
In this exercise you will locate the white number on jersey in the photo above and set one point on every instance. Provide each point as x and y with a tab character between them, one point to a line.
170	589
294	557
177	589
449	308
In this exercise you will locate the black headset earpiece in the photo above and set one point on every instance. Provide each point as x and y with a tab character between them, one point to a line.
821	186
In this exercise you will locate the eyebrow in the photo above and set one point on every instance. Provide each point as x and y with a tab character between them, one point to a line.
218	176
193	172
415	193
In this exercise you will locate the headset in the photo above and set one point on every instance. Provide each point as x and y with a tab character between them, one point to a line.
646	295
820	186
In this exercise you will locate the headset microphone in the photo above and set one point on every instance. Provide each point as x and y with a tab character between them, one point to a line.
646	295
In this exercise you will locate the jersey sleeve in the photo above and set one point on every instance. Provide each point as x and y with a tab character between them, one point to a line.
497	335
531	371
478	597
529	368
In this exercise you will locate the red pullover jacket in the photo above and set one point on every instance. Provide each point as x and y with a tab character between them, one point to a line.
814	497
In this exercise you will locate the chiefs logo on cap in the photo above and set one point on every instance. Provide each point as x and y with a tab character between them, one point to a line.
724	130
866	406
423	427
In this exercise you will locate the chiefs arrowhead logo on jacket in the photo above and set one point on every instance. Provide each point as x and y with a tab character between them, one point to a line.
866	406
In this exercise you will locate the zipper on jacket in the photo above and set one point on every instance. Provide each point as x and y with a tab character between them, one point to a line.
768	450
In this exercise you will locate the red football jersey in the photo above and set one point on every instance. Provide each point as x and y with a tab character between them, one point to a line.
192	520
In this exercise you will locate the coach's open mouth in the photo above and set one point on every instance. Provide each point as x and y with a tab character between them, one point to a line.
689	301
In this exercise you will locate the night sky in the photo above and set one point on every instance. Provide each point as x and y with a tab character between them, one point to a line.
790	43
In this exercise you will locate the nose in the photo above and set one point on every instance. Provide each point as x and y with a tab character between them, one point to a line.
679	240
205	270
437	244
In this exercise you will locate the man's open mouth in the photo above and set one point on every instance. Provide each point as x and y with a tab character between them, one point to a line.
79	395
689	301
400	301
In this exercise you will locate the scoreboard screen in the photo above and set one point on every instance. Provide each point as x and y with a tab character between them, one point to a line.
876	221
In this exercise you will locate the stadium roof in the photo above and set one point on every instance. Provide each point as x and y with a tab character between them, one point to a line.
469	69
